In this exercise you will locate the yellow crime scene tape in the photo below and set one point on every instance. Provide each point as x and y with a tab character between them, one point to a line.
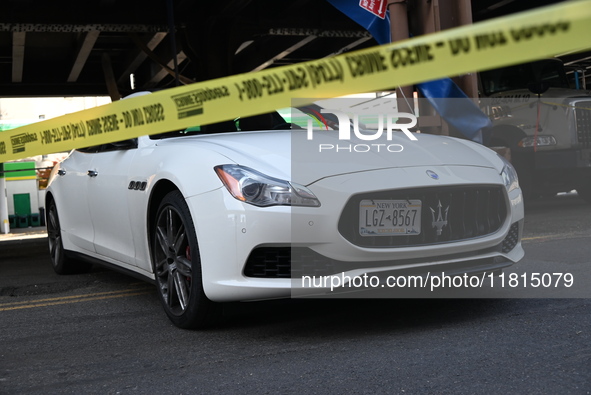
544	32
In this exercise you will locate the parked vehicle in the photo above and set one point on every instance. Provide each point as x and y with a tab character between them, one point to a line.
217	217
545	123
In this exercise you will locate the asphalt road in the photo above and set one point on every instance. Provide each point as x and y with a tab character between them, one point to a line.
105	333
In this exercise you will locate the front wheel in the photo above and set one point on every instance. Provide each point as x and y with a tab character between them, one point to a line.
177	265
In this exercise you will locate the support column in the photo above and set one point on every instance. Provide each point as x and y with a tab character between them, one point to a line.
399	31
4	223
425	19
467	82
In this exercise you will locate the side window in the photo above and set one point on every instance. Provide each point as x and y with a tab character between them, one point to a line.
119	145
89	150
116	146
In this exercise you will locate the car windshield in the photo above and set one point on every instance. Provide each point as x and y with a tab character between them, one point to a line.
302	117
286	118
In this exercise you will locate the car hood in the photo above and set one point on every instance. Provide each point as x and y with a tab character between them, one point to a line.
290	155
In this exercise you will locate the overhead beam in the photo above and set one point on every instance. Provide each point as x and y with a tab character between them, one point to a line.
234	7
73	28
577	61
110	77
498	5
285	53
159	76
167	68
349	47
140	56
304	31
83	54
243	46
18	55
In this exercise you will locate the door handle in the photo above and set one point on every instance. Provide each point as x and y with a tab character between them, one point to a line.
92	173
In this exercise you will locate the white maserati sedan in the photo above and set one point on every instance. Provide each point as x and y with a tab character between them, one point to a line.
229	213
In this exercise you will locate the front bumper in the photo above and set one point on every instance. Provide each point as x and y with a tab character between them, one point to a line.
252	253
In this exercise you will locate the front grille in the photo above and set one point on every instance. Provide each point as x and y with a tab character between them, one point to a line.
511	239
472	211
583	123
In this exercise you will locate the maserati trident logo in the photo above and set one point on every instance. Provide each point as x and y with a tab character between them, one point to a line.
432	174
441	220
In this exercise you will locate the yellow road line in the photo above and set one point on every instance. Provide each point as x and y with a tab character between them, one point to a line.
72	299
556	237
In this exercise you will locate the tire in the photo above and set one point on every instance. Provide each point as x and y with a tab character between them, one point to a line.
61	262
177	266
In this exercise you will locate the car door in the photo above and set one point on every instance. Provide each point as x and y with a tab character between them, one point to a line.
108	200
71	196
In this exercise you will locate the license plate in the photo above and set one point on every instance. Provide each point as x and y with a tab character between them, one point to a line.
389	217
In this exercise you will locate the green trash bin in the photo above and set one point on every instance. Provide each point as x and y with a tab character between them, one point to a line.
12	221
23	221
35	219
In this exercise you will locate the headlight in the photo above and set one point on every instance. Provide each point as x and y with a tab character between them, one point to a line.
509	175
250	186
540	141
